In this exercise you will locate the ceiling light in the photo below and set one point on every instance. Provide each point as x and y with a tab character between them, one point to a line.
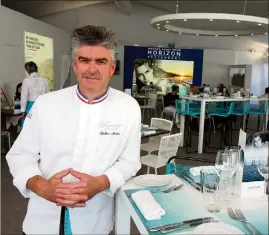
157	24
236	35
180	33
167	21
238	21
250	24
167	30
252	34
197	34
158	27
216	35
136	45
265	33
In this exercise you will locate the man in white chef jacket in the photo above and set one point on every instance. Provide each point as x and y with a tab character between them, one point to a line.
88	137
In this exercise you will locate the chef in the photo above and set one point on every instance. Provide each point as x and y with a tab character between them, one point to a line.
88	137
32	87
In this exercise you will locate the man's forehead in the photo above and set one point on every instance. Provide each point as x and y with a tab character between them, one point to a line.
93	52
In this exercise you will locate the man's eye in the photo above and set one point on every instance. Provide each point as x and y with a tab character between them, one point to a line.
101	62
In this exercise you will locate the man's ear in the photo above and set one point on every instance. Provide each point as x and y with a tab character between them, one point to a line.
113	67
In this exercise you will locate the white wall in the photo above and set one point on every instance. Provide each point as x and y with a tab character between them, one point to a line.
13	25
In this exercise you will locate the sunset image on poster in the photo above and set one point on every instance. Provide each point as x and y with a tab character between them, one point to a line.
163	74
39	49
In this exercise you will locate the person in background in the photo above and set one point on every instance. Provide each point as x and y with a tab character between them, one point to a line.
266	93
169	102
88	137
32	87
13	121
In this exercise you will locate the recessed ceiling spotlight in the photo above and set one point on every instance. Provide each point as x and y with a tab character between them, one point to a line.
158	27
211	20
238	21
180	33
167	30
236	35
185	19
259	24
216	35
265	33
157	24
197	34
167	21
252	34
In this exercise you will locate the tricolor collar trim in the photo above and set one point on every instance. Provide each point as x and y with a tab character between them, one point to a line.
96	100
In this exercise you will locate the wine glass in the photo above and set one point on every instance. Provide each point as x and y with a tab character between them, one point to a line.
262	166
226	164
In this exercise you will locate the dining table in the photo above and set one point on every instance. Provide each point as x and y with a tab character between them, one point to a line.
181	205
204	101
7	113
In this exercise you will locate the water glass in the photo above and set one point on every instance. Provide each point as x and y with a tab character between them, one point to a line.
210	189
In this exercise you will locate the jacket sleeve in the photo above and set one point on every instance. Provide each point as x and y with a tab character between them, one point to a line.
23	157
128	162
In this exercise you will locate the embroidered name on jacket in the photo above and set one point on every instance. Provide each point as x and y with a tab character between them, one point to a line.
108	128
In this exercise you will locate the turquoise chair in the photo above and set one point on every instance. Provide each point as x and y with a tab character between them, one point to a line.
240	109
190	109
259	108
223	112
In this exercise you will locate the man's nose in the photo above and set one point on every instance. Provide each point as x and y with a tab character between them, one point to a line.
92	68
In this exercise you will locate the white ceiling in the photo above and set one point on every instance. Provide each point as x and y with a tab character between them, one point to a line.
39	8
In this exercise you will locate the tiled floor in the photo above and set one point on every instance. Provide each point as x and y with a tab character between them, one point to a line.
14	205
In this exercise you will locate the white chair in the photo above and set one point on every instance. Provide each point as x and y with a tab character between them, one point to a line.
168	148
7	134
154	142
151	104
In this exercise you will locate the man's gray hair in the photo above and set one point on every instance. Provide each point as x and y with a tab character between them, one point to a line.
91	35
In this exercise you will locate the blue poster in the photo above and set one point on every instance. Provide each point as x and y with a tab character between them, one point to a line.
162	68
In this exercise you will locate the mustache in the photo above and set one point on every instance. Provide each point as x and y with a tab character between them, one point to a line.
91	75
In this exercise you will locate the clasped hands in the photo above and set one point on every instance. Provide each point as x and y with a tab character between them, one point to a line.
73	194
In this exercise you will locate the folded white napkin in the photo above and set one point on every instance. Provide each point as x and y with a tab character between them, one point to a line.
195	171
151	132
147	205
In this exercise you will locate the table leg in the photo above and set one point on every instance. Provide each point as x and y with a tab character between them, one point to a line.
244	122
266	120
122	217
201	127
182	127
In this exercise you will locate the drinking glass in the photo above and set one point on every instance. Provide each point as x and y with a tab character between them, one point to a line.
262	166
226	165
210	188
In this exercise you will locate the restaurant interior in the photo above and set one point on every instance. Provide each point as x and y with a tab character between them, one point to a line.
199	72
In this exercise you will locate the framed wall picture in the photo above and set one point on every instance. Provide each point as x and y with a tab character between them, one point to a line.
237	76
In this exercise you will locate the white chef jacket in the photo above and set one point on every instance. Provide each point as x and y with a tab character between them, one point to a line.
32	87
101	138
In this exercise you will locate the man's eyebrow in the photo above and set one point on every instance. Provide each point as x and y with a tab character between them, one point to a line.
93	59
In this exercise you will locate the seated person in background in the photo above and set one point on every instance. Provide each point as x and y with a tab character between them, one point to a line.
266	93
13	121
170	105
